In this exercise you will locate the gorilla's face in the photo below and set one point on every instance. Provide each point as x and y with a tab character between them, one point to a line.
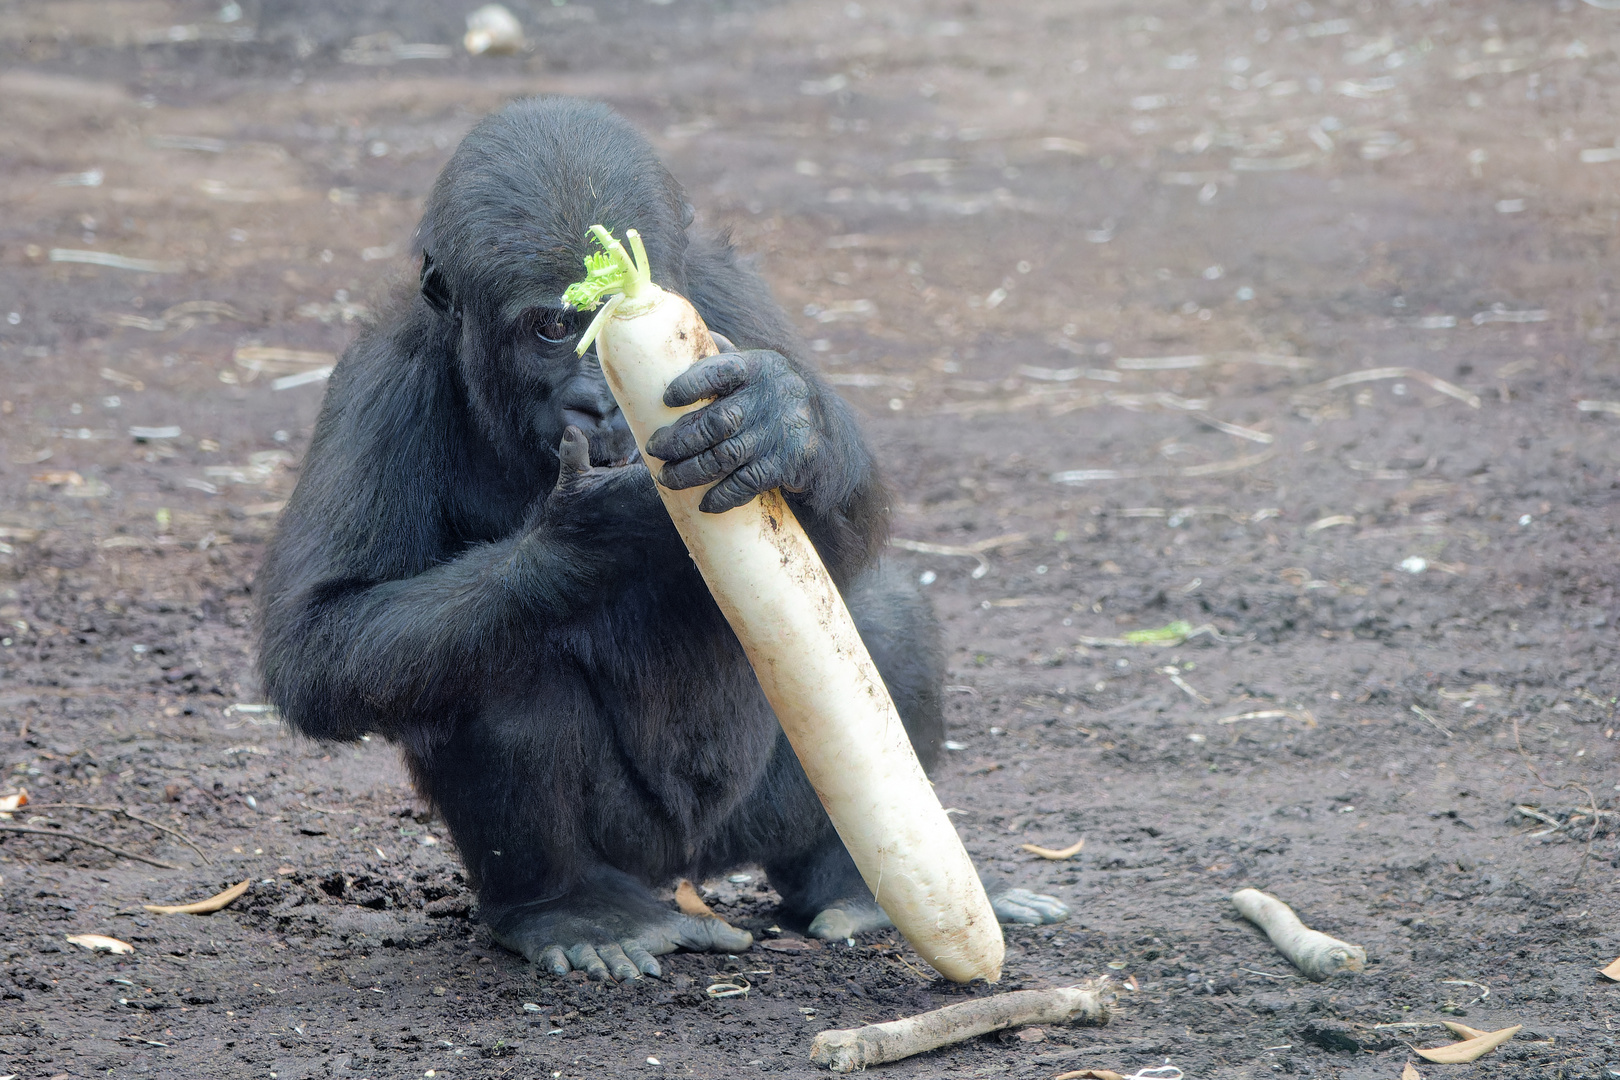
507	229
566	390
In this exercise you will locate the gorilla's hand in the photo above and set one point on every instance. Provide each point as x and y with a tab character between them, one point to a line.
594	501
760	432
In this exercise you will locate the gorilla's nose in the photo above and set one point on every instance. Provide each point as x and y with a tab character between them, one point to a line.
588	404
591	416
591	408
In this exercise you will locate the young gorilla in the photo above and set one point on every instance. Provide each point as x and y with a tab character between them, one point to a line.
476	565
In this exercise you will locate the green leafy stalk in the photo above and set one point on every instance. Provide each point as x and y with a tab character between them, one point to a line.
613	270
1173	634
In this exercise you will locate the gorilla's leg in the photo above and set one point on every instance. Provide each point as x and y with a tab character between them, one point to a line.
531	797
816	877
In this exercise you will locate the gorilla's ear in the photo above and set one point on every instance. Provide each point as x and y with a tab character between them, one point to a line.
687	214
435	290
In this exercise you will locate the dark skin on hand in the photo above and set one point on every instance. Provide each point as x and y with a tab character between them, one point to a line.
476	565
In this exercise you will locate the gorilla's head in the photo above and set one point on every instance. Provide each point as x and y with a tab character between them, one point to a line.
506	230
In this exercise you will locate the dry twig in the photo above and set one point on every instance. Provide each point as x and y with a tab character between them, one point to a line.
1302	715
176	833
1597	815
875	1044
1430	717
974	550
1433	382
77	839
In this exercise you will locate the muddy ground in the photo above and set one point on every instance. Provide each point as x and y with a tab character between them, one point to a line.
1097	276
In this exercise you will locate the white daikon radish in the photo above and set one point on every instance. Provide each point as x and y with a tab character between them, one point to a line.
800	639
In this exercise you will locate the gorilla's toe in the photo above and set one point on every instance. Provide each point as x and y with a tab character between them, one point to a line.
613	944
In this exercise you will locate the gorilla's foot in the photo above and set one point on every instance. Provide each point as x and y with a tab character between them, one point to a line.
609	940
843	919
846	918
1028	908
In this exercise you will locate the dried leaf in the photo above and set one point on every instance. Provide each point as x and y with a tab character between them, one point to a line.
688	900
202	907
1470	1050
1410	1072
1055	853
790	944
101	942
1612	971
1090	1074
12	802
1463	1030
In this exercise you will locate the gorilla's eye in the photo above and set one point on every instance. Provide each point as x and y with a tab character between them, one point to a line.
554	327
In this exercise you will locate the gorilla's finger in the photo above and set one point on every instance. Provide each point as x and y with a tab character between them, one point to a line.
698	431
620	966
719	375
711	935
739	488
729	457
584	958
643	959
553	959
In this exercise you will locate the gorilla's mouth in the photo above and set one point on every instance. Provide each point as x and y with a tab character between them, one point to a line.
616	462
614	452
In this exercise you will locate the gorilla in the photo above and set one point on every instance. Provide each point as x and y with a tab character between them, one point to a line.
475	564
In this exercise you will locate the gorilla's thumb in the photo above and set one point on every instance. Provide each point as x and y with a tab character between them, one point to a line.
574	454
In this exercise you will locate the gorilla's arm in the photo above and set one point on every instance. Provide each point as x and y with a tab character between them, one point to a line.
379	616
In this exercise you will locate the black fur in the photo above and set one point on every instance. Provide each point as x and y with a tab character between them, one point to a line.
564	688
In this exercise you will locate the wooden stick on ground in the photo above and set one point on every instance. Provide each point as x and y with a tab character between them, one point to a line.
848	1050
76	839
176	833
1316	954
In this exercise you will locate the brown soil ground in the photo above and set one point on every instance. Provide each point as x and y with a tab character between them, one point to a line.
995	225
